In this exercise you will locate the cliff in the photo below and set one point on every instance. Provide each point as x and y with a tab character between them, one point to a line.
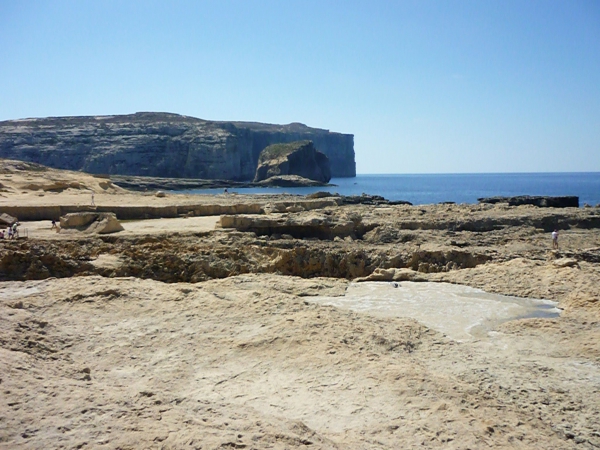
162	145
295	158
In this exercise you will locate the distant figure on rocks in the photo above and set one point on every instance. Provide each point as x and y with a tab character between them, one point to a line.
225	191
2	234
93	203
53	224
555	239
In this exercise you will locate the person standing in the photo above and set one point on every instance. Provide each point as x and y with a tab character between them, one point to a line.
93	203
555	239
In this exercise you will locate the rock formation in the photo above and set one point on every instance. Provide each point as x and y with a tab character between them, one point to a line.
162	145
320	226
565	201
175	334
89	222
290	181
295	158
7	220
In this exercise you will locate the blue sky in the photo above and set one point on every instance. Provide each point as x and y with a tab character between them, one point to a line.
425	86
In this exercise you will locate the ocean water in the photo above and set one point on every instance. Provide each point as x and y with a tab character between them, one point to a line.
458	188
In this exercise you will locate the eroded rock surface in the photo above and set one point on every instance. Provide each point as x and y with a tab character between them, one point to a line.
174	333
89	222
251	362
565	201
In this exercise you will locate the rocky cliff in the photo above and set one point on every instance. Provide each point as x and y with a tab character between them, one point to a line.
162	145
296	158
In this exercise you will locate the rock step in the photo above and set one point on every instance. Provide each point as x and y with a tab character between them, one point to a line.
565	201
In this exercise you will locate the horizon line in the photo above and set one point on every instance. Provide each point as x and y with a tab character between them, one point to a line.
479	173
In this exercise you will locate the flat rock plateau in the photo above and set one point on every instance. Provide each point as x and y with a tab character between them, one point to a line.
196	326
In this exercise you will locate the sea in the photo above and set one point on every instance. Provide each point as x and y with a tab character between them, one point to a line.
421	189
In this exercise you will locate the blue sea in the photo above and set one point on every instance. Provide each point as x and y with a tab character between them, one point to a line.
459	188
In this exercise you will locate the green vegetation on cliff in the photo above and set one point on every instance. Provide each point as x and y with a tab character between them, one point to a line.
278	150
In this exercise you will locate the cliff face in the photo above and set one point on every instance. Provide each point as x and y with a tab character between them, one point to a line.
297	158
162	145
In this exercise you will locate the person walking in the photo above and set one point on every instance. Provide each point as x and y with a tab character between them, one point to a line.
555	239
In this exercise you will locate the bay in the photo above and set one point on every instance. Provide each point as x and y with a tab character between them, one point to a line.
422	189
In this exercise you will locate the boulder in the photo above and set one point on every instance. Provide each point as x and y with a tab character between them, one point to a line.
295	158
7	219
90	222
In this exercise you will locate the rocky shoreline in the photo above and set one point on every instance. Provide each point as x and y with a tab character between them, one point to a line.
197	329
145	184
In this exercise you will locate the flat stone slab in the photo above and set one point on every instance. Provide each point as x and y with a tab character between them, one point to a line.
460	312
543	201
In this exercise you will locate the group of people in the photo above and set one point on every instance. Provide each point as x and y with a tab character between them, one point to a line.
12	232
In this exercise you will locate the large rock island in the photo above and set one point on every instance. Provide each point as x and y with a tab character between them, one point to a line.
162	145
296	158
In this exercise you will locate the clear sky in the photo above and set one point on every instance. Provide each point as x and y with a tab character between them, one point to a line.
445	86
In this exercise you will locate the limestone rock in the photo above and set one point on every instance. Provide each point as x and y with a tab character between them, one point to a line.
567	201
290	181
7	219
90	222
322	194
565	262
393	274
162	145
54	186
367	199
296	158
309	225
